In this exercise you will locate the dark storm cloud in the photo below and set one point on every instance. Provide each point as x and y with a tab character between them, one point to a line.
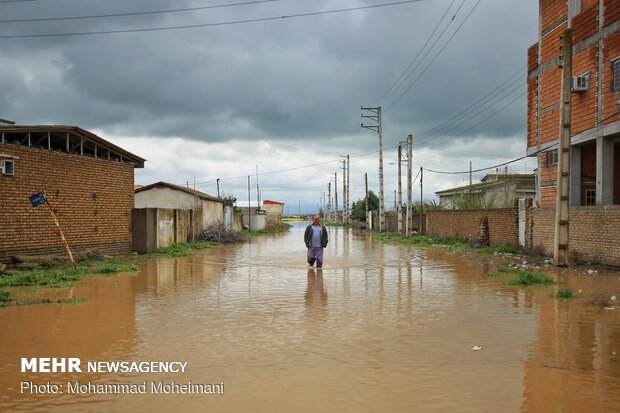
292	80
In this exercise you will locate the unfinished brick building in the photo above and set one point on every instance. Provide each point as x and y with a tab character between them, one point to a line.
595	125
88	180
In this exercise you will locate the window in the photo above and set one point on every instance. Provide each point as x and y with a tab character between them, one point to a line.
590	197
615	75
551	158
8	167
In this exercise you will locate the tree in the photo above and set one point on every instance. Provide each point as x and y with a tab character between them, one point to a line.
358	209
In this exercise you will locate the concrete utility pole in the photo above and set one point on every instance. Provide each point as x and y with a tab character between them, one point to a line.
345	202
336	193
377	128
249	201
421	197
560	245
409	185
399	202
348	188
329	197
366	198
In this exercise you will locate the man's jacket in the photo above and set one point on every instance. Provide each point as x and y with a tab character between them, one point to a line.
308	236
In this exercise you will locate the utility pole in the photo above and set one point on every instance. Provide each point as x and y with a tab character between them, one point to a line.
366	198
336	192
376	116
348	188
249	217
218	187
344	190
329	197
399	205
409	184
562	208
421	197
257	190
469	173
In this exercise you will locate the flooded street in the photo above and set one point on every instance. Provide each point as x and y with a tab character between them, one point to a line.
381	328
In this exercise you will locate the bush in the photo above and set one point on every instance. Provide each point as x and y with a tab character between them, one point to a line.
564	293
218	232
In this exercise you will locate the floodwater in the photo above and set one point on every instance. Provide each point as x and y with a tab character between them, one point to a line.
380	328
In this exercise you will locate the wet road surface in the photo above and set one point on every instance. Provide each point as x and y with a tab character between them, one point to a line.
380	328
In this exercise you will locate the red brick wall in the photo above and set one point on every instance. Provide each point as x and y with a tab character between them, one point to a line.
610	98
612	11
532	112
593	233
503	227
92	198
585	24
552	11
583	111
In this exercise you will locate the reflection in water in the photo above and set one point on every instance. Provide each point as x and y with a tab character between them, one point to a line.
316	294
379	328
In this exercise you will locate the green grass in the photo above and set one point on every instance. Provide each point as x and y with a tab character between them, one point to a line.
43	277
50	301
519	277
506	249
565	293
5	297
115	267
60	278
502	249
183	249
450	243
524	278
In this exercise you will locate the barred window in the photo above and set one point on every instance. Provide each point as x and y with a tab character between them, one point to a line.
551	158
590	197
615	77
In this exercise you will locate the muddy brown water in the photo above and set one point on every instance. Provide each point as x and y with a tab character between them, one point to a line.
381	328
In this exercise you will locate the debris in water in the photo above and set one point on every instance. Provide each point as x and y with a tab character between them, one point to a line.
612	298
476	348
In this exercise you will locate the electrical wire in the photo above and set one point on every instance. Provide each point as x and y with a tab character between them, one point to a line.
204	25
490	167
139	13
417	55
434	58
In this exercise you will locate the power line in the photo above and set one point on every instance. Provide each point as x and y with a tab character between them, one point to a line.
434	58
139	13
416	56
226	23
490	167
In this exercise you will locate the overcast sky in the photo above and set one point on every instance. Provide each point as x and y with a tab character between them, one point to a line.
245	89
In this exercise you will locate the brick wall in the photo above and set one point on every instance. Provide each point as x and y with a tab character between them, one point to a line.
593	233
92	198
503	225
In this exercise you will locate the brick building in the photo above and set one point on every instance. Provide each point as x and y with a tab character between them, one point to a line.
595	125
88	180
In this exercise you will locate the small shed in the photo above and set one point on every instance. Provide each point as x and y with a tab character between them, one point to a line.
274	210
165	214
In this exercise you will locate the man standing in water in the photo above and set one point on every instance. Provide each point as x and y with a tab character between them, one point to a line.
315	238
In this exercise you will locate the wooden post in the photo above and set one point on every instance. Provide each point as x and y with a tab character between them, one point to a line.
62	235
562	207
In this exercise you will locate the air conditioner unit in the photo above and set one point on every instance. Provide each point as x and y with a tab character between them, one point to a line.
580	83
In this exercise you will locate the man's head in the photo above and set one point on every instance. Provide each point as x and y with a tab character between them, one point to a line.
315	220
